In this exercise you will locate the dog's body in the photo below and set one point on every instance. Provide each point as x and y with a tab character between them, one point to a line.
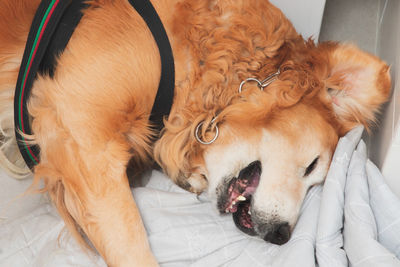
91	118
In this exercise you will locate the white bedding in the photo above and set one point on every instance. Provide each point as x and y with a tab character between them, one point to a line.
353	220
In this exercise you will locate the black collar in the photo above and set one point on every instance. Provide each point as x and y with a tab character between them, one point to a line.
165	94
51	29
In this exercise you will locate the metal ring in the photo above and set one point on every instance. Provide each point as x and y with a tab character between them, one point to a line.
249	80
205	142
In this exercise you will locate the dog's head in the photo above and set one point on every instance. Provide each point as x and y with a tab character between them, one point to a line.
273	145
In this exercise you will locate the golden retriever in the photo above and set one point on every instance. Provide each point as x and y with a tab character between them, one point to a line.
273	142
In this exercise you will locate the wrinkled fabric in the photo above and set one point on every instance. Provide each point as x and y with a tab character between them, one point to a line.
353	220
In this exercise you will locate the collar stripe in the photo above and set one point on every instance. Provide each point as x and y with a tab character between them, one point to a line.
39	34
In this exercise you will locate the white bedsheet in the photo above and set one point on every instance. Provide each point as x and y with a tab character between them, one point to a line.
354	220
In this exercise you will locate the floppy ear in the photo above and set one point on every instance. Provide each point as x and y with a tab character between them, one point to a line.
357	84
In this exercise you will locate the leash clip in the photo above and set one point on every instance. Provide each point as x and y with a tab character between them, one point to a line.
261	84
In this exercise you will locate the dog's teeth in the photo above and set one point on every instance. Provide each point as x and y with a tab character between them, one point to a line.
249	212
233	203
226	210
240	198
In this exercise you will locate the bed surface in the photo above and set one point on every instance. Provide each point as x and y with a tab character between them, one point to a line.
353	218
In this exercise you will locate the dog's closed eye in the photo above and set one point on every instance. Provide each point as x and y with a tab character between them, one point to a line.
311	167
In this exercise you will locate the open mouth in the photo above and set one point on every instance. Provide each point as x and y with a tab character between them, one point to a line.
236	198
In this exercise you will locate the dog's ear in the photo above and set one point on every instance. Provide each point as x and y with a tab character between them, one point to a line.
356	84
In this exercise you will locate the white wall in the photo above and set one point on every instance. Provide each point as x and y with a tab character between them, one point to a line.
385	144
306	20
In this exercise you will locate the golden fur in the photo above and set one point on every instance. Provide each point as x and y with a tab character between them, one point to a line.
92	117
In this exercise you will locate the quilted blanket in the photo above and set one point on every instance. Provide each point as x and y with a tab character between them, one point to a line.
352	220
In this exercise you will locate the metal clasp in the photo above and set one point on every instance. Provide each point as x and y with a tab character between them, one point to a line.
261	84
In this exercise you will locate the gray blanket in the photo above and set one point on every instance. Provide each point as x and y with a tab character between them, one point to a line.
353	220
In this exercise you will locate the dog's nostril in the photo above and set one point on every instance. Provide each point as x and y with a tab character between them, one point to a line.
280	236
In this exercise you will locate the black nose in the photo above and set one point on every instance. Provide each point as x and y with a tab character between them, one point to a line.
280	235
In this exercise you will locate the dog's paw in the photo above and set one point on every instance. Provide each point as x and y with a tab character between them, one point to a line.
198	183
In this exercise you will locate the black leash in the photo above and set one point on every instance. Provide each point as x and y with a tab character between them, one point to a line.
51	29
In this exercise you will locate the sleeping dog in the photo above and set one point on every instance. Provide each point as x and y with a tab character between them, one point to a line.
256	115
